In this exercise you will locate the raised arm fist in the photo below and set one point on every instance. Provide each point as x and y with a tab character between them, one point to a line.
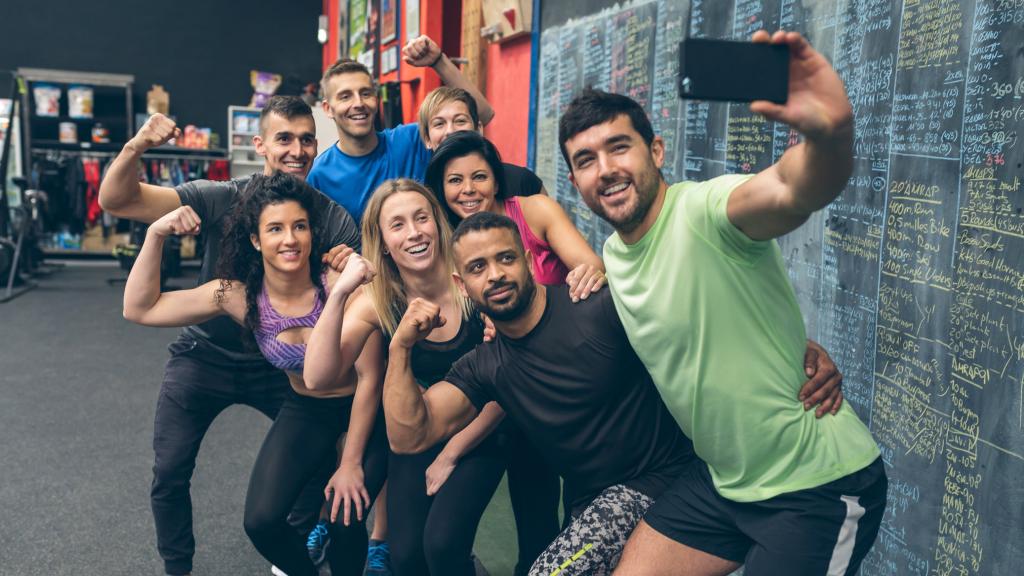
336	257
182	221
421	52
419	321
356	273
155	132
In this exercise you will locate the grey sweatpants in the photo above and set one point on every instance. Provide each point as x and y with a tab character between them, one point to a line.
593	542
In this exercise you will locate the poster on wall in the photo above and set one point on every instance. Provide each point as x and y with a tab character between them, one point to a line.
372	45
356	27
412	19
342	29
366	59
388	21
389	59
372	25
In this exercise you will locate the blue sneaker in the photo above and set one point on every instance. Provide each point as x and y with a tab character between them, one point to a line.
378	559
317	542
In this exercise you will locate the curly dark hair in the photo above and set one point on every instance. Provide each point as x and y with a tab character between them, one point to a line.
239	260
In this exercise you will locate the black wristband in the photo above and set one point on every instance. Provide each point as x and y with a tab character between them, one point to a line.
440	55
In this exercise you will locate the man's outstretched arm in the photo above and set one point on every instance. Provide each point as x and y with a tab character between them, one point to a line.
811	174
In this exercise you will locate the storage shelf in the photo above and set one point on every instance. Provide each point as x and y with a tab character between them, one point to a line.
242	155
111	106
76	77
82	146
160	151
178	150
110	119
65	252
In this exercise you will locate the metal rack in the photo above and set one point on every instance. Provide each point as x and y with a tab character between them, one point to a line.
12	231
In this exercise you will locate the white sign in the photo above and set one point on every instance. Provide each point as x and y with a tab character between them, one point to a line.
389	59
366	59
412	19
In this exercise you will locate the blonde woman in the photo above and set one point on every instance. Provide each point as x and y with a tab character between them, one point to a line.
435	498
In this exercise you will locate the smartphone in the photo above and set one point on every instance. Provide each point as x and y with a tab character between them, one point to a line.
733	71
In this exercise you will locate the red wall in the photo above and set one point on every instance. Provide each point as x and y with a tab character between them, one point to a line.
508	72
508	90
330	50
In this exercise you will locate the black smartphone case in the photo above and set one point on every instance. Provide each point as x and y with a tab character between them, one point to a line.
733	71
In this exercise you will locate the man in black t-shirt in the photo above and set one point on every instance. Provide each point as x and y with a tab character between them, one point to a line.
211	367
534	490
564	373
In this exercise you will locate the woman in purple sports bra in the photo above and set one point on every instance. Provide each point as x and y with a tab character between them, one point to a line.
272	283
466	175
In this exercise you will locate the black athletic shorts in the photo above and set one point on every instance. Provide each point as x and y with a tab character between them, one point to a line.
823	530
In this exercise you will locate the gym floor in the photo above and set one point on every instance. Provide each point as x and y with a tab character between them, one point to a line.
78	386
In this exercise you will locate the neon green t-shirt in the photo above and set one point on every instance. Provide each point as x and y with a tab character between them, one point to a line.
712	315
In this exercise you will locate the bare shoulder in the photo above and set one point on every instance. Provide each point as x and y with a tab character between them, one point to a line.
538	202
541	212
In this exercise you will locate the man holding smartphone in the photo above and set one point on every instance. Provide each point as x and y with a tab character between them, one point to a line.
700	287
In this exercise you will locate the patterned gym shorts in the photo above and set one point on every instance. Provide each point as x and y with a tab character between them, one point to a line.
592	544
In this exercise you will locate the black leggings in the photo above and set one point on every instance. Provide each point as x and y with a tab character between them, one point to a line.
434	534
533	488
302	444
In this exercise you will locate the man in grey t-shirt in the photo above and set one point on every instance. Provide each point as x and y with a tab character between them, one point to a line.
211	367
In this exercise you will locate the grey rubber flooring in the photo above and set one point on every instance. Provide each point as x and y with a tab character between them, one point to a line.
78	386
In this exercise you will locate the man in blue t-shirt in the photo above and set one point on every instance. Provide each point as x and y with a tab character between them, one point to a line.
363	157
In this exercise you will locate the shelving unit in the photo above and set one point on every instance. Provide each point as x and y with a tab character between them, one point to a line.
81	146
167	151
112	107
243	124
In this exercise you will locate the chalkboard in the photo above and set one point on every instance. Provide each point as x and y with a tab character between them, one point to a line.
914	278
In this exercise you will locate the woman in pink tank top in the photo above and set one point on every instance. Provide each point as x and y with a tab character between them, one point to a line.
466	174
